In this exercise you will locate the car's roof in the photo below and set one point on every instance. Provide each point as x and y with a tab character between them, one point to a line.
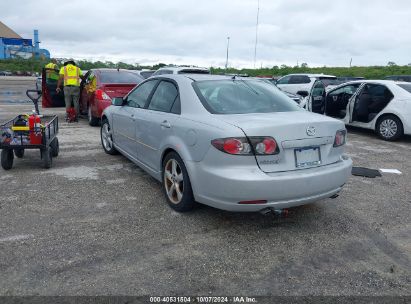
309	75
180	68
110	70
389	83
380	81
203	77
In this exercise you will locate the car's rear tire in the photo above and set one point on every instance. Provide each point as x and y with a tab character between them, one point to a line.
7	158
389	127
19	153
55	147
92	121
176	183
107	138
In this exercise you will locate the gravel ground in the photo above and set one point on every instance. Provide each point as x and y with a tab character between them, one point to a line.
96	224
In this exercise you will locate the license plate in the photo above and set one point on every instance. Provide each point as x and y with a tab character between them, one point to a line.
307	157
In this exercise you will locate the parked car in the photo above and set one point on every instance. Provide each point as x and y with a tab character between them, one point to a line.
144	73
301	84
100	86
39	83
236	144
380	105
5	73
406	78
297	98
181	70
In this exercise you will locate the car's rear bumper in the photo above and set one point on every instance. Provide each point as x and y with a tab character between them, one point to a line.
224	188
101	105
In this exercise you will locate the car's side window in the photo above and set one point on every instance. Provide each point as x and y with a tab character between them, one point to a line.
318	89
176	109
349	89
284	80
138	98
164	97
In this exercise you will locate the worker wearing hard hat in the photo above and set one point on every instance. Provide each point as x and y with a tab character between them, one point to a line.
71	76
52	72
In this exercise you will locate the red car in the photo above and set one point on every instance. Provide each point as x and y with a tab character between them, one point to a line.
100	86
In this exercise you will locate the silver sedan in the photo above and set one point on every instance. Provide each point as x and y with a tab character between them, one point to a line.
233	143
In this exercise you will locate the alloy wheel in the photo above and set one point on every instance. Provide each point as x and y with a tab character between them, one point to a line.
106	137
388	128
174	181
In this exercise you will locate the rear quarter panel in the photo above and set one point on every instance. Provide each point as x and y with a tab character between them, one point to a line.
191	138
399	108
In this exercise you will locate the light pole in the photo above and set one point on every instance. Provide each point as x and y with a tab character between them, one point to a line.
228	45
256	33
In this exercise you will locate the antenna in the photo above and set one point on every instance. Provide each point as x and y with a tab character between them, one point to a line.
256	32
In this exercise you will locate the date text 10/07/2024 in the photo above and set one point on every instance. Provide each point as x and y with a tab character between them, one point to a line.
200	299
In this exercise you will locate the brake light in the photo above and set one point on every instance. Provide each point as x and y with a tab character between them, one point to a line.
101	95
340	138
267	146
236	146
247	146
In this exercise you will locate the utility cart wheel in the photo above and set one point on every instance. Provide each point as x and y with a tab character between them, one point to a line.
47	155
7	157
19	153
55	147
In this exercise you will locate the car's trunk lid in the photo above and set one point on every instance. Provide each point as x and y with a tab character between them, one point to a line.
305	139
117	90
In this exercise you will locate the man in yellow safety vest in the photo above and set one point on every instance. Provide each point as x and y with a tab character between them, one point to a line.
52	72
71	76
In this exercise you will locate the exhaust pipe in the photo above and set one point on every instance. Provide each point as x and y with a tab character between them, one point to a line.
335	196
273	211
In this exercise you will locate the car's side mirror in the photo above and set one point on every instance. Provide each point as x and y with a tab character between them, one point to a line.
117	101
302	93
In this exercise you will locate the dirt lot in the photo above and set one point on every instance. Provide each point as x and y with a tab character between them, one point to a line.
97	224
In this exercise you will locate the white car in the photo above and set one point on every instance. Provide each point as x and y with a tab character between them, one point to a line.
301	84
380	105
181	70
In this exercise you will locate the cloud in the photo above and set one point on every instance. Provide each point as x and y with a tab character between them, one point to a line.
194	32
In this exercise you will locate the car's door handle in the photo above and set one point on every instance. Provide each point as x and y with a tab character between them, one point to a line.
165	124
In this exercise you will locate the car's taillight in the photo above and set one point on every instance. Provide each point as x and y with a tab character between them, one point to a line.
247	146
101	95
264	145
340	138
236	146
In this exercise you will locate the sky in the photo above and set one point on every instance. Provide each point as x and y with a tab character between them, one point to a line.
316	32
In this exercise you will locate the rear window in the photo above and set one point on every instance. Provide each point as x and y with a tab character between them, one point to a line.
193	71
406	87
297	79
146	74
242	96
120	77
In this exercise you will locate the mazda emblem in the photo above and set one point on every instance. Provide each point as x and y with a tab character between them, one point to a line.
310	131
